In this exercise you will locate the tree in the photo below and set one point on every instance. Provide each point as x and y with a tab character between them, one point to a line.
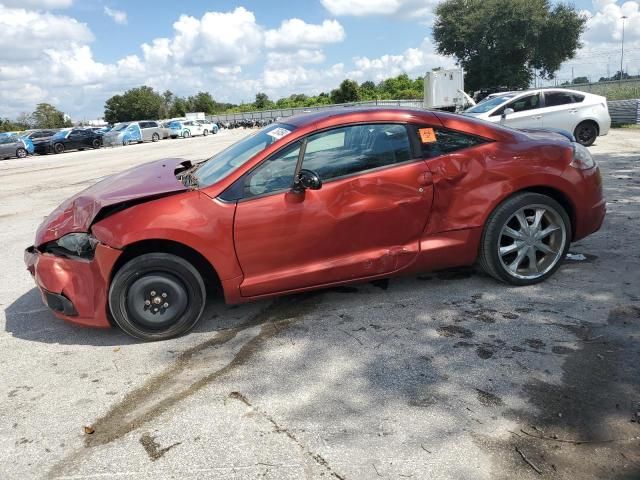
262	101
503	42
202	102
179	107
48	116
348	91
135	104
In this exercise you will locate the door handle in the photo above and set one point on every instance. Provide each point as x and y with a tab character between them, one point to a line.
425	179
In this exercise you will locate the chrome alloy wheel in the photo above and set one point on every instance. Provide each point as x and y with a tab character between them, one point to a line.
531	242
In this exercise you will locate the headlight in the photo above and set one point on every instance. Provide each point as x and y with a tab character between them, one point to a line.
582	158
80	245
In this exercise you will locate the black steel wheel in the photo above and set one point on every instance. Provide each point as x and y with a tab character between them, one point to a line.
586	133
96	143
157	296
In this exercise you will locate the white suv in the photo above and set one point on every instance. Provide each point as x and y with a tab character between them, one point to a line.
584	114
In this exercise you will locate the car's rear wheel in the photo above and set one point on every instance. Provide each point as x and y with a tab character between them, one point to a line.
205	132
157	296
186	134
96	143
58	148
586	133
525	239
155	137
21	153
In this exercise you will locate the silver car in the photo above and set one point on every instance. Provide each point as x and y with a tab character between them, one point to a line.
585	115
13	146
133	132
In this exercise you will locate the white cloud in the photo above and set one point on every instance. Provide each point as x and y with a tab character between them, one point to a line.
413	61
298	79
605	25
295	33
25	34
279	59
117	16
399	8
42	4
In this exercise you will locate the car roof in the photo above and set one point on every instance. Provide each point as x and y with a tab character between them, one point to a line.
337	113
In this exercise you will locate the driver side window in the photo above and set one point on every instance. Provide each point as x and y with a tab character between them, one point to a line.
273	175
530	102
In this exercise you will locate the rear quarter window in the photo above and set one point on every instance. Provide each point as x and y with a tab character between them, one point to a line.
436	142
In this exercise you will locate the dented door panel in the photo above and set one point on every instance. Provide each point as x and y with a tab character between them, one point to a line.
351	228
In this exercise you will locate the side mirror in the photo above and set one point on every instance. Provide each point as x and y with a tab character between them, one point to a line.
507	111
307	179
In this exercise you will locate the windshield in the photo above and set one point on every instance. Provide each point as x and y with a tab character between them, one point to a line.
120	127
489	104
225	162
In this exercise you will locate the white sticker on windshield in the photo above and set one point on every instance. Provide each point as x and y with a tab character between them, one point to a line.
279	132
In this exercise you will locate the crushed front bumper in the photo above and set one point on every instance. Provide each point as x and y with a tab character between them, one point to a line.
75	289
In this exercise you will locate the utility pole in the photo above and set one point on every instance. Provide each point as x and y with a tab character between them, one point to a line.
624	17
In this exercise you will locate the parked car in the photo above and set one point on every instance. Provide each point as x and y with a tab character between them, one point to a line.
75	139
324	199
166	130
208	127
15	146
41	140
133	132
585	115
187	128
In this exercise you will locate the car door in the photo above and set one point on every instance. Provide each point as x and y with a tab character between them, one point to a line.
526	112
560	111
6	147
365	220
74	139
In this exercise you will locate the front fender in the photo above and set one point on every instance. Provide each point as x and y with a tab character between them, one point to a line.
191	218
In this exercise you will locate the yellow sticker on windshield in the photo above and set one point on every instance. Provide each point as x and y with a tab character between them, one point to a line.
427	135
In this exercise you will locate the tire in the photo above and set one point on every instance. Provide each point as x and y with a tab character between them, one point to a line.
586	133
155	137
205	132
21	153
507	246
215	130
96	143
186	134
58	148
177	303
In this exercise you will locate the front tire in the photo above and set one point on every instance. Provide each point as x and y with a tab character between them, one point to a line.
96	144
58	148
586	133
525	239
155	137
21	153
205	132
157	296
186	134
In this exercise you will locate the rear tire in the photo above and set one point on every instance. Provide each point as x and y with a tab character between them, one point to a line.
205	132
96	144
586	133
157	296
58	148
525	239
186	134
155	137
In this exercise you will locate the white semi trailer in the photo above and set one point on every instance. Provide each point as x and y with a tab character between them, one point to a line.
444	90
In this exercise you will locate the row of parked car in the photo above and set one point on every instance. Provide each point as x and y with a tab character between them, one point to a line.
44	141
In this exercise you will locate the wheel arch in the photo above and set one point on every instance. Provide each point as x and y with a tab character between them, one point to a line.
204	267
558	195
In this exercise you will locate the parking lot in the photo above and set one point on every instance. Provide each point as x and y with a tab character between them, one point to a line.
443	375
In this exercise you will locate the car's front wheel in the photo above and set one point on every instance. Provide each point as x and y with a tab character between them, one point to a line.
21	153
186	134
58	148
525	239
157	296
96	143
155	137
586	133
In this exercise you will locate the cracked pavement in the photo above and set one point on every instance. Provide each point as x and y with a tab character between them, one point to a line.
446	375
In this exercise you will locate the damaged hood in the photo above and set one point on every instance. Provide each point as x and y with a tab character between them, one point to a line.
77	213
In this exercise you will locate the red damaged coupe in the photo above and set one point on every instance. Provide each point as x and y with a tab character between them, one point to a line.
318	200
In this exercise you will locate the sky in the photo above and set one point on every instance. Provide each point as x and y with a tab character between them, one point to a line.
77	53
